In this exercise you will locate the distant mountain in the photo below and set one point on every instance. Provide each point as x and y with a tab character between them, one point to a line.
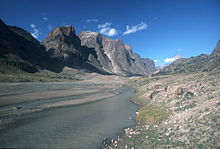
199	63
90	51
162	66
114	56
176	57
216	51
18	49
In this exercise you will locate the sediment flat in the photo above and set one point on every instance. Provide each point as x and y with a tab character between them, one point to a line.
86	99
12	99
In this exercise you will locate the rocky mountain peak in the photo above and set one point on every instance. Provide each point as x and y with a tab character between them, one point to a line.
114	56
63	44
217	49
2	24
89	38
62	33
88	34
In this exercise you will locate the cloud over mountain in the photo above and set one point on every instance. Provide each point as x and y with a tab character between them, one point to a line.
168	60
134	29
106	29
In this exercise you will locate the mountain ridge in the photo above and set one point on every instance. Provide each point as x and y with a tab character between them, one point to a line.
115	56
201	63
62	47
19	49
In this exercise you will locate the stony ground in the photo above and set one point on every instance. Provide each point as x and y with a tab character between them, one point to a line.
176	111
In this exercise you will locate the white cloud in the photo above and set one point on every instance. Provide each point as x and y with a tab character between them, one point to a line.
168	60
32	25
107	30
107	24
36	33
92	20
50	27
134	29
179	50
156	61
45	18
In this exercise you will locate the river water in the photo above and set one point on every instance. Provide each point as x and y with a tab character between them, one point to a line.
79	126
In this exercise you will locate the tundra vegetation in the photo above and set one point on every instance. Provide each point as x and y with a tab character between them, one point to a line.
175	111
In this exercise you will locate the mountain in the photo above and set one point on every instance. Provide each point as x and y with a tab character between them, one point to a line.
89	51
199	63
162	66
114	56
176	57
216	51
64	45
18	49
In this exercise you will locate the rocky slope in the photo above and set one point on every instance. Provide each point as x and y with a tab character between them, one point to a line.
199	63
176	111
114	56
18	49
216	51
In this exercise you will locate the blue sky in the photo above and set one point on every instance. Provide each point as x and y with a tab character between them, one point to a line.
156	29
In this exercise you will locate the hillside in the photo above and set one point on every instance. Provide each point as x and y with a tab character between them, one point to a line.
19	50
201	63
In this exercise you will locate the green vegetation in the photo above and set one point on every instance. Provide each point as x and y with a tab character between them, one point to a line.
28	77
151	114
12	74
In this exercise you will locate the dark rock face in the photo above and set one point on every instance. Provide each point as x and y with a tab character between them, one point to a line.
63	45
19	49
114	56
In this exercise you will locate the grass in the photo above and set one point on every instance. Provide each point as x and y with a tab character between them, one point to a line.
152	114
148	113
27	77
12	74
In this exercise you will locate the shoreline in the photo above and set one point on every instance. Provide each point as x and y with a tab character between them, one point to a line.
168	118
111	142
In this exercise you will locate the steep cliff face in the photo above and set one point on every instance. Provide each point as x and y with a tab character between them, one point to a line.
93	41
20	50
64	45
114	56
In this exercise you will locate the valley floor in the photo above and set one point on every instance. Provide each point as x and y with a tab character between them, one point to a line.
176	111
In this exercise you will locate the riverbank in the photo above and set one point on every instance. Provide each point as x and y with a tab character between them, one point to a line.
81	112
175	111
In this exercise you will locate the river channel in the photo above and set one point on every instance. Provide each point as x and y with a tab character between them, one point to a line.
81	126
